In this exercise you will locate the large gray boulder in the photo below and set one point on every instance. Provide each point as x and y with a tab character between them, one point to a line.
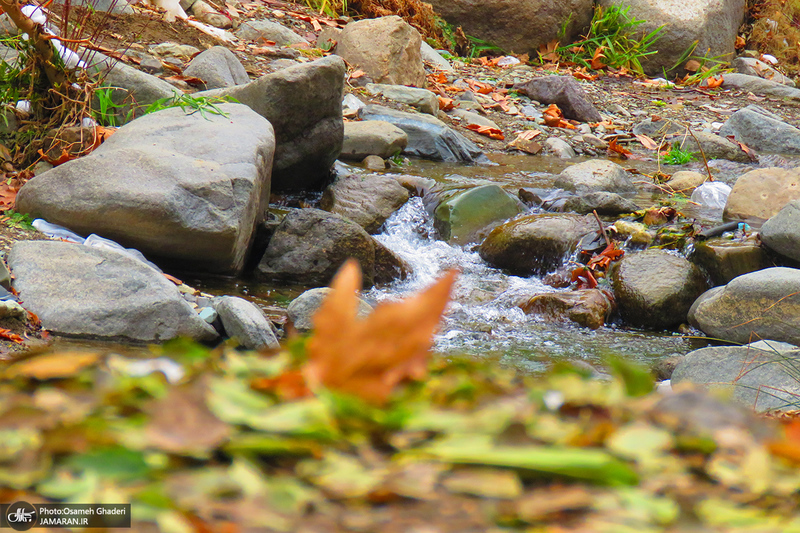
428	137
594	176
762	130
762	378
218	68
759	194
714	24
423	99
515	25
131	90
655	288
304	105
310	245
535	244
186	190
366	200
387	49
246	323
760	305
781	233
725	259
564	91
81	291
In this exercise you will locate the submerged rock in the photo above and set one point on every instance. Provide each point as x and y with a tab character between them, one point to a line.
86	292
655	289
589	307
535	244
462	216
760	305
725	259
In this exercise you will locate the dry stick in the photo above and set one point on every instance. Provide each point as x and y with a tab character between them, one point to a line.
702	153
602	229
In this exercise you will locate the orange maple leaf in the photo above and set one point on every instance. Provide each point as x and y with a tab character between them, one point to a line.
493	133
616	149
713	82
446	104
369	357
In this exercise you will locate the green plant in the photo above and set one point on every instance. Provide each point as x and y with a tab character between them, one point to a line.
677	155
12	219
611	41
191	104
331	8
479	46
106	115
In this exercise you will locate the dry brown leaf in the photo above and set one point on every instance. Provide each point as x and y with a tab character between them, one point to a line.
369	357
525	142
548	51
692	65
615	149
446	104
493	133
713	82
740	42
53	365
596	62
647	142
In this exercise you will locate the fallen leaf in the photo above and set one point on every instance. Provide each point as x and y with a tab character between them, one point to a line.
357	74
740	42
646	141
493	133
596	63
446	104
53	365
547	52
713	82
8	195
616	149
746	149
584	76
584	277
369	357
525	142
692	65
63	158
289	385
191	80
8	335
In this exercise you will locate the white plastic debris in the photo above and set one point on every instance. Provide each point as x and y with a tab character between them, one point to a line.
35	13
55	231
23	106
138	368
88	122
664	387
553	400
769	59
71	59
712	194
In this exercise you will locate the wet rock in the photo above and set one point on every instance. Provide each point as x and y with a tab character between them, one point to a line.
266	30
595	175
560	148
428	137
605	203
423	99
781	233
534	244
387	49
762	131
517	26
310	245
589	307
304	105
760	305
714	24
762	379
565	92
753	67
186	190
759	194
636	232
464	216
685	181
81	291
366	200
218	68
415	185
372	137
433	57
724	259
713	146
374	162
655	289
761	86
389	266
301	310
246	323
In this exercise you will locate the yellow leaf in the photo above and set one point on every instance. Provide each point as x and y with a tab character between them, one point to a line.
369	357
54	365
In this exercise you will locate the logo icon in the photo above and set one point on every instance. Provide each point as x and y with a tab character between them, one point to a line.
21	516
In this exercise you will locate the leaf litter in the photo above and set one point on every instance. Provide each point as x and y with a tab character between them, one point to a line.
358	428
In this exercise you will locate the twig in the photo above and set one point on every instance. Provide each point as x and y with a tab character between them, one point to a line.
702	153
602	229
